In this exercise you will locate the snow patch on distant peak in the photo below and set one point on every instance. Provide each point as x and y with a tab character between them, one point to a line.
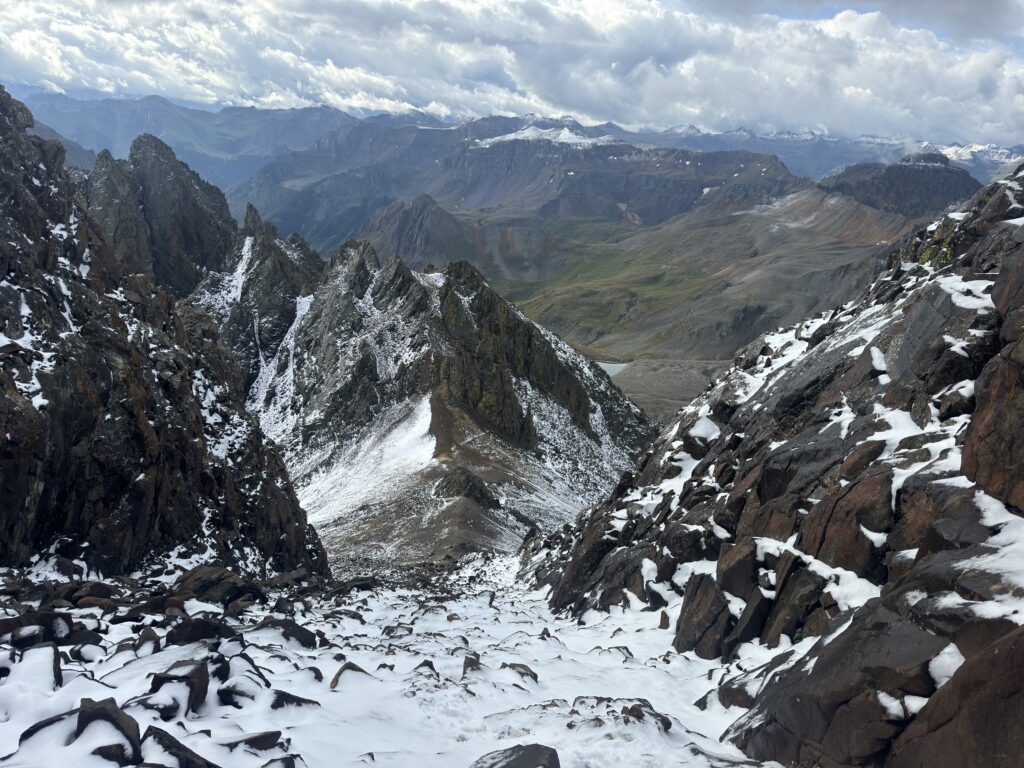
553	135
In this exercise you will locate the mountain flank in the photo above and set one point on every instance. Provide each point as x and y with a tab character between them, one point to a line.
125	432
838	519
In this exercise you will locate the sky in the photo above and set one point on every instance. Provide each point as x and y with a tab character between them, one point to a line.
943	70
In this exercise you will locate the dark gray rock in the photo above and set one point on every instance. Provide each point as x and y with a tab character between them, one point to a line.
136	424
520	756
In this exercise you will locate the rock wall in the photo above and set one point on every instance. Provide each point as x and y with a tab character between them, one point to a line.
162	219
125	432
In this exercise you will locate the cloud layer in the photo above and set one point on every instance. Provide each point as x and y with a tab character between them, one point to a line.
911	68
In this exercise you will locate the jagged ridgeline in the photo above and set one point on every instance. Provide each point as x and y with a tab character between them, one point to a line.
841	516
421	414
123	421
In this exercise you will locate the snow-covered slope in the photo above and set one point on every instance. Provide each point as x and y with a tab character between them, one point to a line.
469	665
554	135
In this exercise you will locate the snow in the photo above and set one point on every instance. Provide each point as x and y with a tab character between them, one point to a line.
892	706
969	294
843	416
942	667
877	538
275	414
705	428
237	279
367	469
878	359
406	713
553	135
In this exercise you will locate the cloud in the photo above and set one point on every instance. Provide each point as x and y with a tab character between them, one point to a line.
956	19
925	70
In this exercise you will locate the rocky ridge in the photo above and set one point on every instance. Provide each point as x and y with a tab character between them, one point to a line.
125	432
163	220
422	405
838	519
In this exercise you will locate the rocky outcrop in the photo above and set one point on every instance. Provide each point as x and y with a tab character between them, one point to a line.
918	185
994	444
839	517
75	155
421	414
125	432
255	304
962	724
113	195
163	220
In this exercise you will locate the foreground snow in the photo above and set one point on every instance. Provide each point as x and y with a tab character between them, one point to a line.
607	691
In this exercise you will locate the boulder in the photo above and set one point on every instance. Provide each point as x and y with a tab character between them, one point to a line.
822	711
973	721
214	584
737	568
107	711
196	679
520	756
704	620
197	629
186	757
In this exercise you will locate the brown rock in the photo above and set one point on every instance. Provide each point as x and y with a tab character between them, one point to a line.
797	599
973	721
737	568
832	530
704	620
994	446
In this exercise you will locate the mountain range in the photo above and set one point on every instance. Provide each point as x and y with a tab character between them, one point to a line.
227	144
817	562
655	252
667	259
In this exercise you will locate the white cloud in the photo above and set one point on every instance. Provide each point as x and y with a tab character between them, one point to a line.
638	62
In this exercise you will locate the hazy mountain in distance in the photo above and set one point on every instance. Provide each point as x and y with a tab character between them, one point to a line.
222	146
813	154
75	155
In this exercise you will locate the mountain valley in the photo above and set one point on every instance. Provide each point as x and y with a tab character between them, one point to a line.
358	461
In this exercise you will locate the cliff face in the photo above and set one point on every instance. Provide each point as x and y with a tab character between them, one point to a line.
421	413
163	220
125	432
839	517
915	186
